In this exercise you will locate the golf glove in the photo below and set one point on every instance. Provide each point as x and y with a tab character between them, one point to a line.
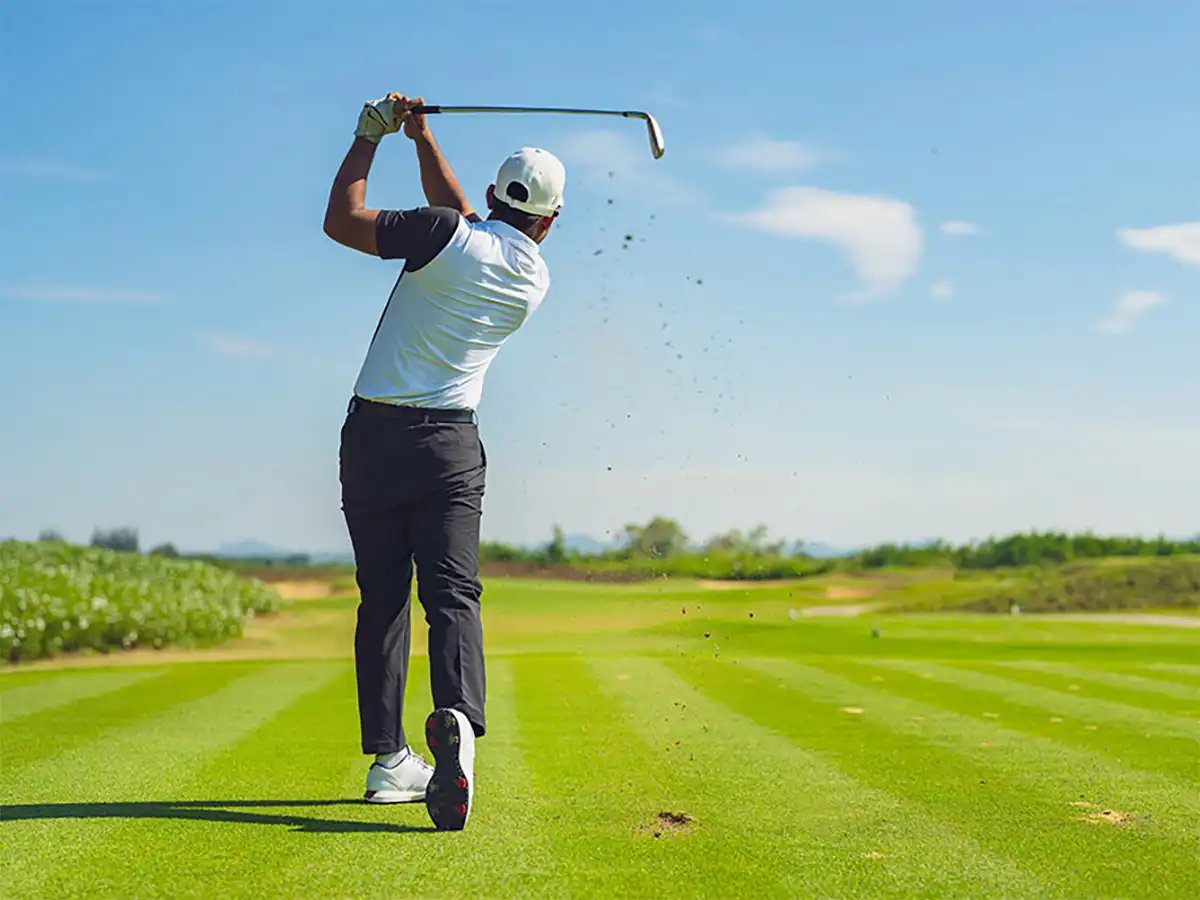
378	117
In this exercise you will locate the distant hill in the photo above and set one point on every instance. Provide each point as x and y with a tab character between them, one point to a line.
336	558
817	550
586	544
251	548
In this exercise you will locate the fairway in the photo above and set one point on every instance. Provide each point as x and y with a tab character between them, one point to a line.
658	740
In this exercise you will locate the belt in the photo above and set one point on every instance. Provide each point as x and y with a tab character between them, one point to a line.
409	413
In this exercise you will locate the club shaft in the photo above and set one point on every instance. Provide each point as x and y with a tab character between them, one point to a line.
433	109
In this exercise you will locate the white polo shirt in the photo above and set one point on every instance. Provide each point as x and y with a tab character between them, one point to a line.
467	285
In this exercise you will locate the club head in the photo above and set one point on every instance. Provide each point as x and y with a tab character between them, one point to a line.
656	137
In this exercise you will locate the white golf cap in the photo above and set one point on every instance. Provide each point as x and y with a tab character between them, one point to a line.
532	181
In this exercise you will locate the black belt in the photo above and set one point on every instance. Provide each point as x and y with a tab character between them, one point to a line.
409	413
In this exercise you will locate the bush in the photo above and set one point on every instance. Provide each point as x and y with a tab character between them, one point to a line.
56	598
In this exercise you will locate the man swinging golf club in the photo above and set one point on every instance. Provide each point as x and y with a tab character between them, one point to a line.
412	466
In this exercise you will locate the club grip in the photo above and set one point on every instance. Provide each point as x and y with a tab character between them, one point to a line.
426	110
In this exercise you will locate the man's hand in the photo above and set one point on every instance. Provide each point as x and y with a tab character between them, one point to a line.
382	116
415	126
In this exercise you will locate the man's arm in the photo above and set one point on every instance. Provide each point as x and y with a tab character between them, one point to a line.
437	178
346	219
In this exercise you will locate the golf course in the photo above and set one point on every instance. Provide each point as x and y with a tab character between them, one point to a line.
665	738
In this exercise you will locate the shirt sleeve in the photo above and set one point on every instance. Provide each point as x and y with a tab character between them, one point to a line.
414	235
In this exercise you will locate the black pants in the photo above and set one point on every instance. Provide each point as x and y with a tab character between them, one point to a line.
412	491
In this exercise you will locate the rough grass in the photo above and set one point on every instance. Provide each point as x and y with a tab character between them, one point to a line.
936	756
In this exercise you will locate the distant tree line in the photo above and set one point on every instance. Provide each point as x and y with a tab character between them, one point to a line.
663	543
1032	548
664	538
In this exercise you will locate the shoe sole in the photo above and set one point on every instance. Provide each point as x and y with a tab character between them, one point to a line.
393	797
448	795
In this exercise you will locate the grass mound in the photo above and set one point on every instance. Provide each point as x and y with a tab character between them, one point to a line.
56	598
1091	586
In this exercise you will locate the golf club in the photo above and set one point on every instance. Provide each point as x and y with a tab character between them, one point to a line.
656	137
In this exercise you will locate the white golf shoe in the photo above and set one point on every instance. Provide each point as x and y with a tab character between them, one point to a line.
451	791
405	782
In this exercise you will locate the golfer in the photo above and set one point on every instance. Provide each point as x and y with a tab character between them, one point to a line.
412	466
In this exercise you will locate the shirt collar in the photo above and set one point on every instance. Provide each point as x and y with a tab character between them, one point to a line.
512	232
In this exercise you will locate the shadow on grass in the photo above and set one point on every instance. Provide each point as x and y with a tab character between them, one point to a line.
210	811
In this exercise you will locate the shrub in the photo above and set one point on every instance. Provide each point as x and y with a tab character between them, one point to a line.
57	598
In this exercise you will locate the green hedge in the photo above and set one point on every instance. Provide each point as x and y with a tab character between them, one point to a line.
57	598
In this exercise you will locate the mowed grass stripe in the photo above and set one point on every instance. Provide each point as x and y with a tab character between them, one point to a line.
1176	674
393	851
791	813
923	707
60	729
1124	687
1034	690
269	793
27	699
1170	757
601	789
1007	790
62	808
16	675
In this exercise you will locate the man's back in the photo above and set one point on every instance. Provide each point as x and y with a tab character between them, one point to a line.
466	286
411	464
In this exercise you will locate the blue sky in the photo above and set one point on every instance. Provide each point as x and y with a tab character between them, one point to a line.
906	270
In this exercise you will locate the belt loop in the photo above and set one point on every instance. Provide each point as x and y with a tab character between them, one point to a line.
353	405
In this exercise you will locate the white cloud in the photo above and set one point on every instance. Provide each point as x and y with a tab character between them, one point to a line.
48	168
235	347
764	154
1181	241
959	227
880	235
1130	307
81	294
621	160
942	290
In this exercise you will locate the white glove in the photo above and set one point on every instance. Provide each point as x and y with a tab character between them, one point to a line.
378	117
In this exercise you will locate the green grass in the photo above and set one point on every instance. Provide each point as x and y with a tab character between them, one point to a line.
949	756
